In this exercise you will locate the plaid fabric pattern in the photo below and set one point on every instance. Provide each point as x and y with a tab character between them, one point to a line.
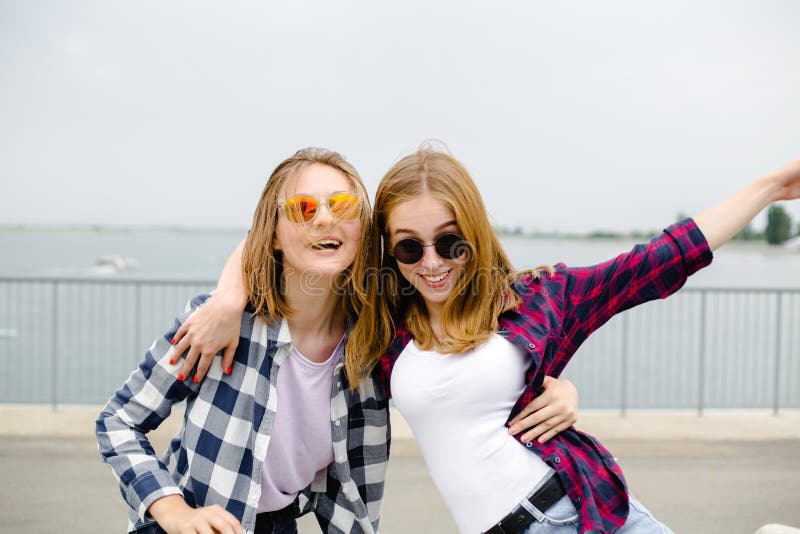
217	456
557	314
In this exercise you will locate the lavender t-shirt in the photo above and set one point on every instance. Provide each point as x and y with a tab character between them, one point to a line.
300	444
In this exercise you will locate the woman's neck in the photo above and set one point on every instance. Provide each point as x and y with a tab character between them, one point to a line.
318	322
435	319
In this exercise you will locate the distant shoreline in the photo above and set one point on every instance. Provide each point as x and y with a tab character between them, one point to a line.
594	235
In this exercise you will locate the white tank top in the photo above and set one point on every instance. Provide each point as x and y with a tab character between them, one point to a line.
457	406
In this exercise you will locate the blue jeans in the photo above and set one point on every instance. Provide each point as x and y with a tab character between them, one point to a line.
562	518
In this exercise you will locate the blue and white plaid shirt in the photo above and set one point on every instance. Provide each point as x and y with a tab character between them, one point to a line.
217	456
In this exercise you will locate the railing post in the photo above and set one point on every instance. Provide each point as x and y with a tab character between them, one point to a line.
54	351
624	378
137	329
701	374
778	317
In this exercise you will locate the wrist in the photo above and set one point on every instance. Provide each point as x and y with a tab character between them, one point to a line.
230	299
768	187
167	508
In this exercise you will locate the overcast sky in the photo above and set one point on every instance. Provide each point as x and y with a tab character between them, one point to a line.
570	115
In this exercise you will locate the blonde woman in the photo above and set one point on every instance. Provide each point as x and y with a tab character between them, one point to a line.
259	447
456	330
241	462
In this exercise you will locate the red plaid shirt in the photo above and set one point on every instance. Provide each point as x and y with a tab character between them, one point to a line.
558	312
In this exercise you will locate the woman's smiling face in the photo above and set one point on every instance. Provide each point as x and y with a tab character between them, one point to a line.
425	218
325	246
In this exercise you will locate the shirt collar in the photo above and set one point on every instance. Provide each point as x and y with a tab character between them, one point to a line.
284	336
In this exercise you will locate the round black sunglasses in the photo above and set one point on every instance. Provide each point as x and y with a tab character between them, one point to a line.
448	246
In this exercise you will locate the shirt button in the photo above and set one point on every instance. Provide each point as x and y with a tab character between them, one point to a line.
529	444
531	346
338	423
557	460
338	384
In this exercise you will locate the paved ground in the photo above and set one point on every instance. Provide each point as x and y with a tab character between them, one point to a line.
723	473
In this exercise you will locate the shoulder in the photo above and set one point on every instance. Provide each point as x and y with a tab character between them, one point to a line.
540	281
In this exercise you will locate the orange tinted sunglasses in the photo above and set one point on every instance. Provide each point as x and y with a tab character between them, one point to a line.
301	209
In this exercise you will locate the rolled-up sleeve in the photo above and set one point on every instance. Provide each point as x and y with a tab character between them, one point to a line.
649	271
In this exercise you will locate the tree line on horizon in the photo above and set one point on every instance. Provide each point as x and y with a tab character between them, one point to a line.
777	231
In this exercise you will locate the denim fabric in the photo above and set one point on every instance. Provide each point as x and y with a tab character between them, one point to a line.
641	520
562	518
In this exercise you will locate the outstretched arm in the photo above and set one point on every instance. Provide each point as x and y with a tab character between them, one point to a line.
587	297
215	326
720	223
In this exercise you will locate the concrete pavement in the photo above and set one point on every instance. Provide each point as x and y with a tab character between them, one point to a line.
726	472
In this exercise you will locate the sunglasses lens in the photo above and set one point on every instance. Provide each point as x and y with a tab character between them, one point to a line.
448	246
301	208
345	206
408	251
451	246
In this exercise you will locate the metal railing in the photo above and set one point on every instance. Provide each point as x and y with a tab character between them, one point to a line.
73	341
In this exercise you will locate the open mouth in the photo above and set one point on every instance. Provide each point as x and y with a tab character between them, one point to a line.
435	279
327	244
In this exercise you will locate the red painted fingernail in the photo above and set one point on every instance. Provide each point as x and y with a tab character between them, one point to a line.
180	377
229	370
171	361
195	380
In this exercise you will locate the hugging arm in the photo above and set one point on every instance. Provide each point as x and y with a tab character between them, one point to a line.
215	326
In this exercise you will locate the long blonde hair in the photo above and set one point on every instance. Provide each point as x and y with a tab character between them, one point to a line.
482	293
261	263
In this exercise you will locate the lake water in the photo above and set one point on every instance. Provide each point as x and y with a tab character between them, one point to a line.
199	255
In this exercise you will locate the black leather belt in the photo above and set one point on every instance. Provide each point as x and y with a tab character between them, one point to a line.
519	518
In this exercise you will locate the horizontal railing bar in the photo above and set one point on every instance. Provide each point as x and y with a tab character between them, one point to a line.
180	281
122	281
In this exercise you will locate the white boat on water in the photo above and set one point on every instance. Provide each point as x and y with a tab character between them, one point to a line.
113	263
